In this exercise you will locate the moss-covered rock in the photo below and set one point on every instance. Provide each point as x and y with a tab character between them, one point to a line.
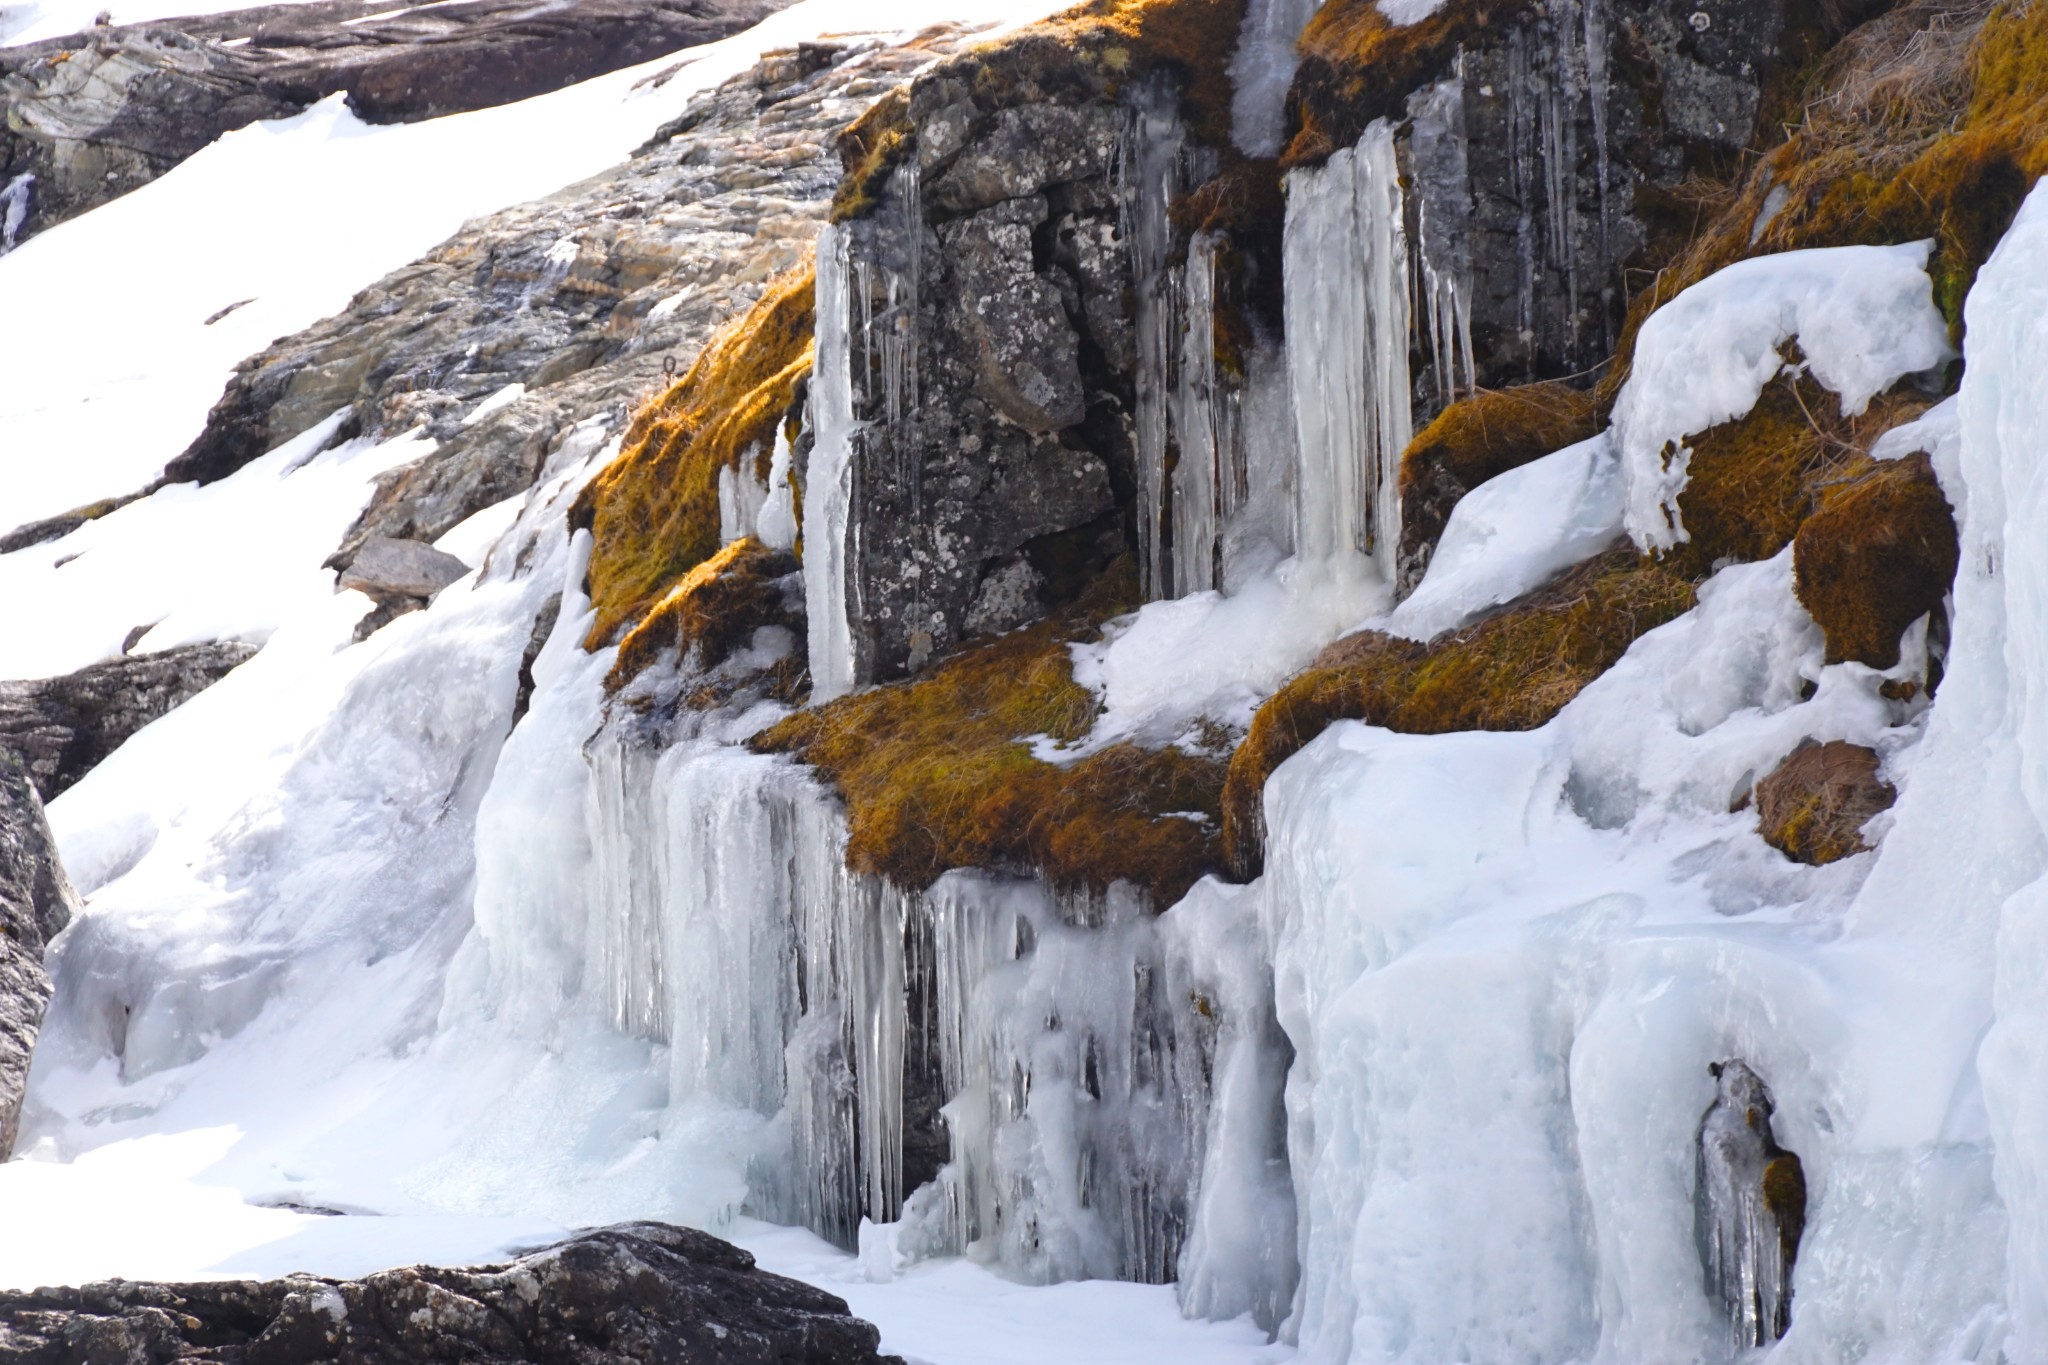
1879	554
937	773
714	611
653	512
1512	671
1813	806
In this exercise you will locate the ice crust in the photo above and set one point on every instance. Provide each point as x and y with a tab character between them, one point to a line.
1862	317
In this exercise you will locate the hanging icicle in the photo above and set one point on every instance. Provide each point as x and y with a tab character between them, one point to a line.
1346	287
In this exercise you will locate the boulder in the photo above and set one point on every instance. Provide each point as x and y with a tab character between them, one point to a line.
61	728
36	901
639	1292
388	567
1813	806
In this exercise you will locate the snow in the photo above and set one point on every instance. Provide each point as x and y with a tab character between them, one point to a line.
1863	317
1512	533
1168	666
295	216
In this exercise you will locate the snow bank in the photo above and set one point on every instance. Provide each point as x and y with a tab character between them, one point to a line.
1512	533
1862	316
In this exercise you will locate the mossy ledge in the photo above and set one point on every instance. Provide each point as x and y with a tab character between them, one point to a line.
936	774
1512	671
653	511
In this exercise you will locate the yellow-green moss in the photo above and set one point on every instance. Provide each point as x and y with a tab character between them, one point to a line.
1879	554
653	512
935	773
1512	671
870	148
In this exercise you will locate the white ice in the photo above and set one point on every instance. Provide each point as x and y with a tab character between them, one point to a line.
1862	317
1512	533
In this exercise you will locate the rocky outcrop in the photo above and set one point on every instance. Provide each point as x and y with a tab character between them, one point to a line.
88	118
36	901
62	727
1814	805
639	1292
586	300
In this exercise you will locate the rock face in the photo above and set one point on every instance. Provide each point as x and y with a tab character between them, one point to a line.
88	118
639	1292
1813	806
62	727
1543	144
405	568
36	901
580	298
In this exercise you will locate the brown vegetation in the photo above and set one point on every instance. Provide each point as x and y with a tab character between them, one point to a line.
936	775
1879	554
1813	806
1511	671
712	612
653	512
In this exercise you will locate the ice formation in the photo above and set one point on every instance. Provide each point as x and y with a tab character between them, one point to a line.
1347	294
1262	69
828	485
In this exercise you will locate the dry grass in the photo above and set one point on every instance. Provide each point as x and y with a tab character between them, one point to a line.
935	775
1512	671
653	512
712	612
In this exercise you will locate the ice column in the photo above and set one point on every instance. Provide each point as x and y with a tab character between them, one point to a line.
1152	172
1750	1205
829	529
1209	477
1346	268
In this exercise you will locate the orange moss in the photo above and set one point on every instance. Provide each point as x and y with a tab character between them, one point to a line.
714	610
653	512
935	773
1813	806
1879	554
870	148
1512	671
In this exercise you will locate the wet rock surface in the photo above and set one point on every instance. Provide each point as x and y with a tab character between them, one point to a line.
62	727
1813	806
638	1292
36	901
586	299
87	118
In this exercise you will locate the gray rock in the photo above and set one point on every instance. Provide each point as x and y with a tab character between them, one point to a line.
385	566
1026	353
639	1292
61	728
1025	150
36	901
87	118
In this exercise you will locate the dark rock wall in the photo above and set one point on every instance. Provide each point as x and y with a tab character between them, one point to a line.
36	901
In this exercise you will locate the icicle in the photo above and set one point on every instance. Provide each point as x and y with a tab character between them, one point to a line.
1596	97
1204	463
1152	172
1346	285
829	530
1750	1208
741	496
1262	70
775	524
1443	209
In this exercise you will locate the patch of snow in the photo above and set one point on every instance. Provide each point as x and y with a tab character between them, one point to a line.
1512	534
497	402
1863	318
